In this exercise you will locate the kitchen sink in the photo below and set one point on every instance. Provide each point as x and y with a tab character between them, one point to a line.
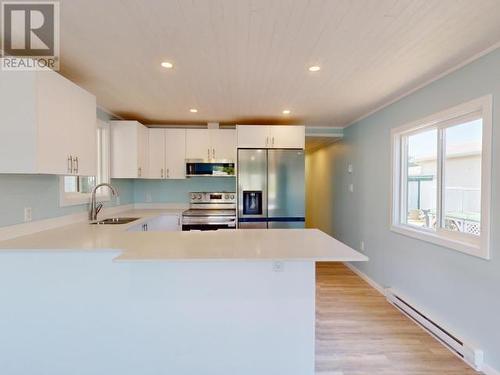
116	220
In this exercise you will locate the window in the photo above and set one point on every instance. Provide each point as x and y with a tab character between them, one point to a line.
75	190
441	178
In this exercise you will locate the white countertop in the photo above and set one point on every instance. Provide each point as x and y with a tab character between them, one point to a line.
238	244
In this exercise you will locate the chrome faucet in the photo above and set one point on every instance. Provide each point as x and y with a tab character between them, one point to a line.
96	207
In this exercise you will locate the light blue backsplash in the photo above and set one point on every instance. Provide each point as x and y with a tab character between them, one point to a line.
177	191
460	290
41	193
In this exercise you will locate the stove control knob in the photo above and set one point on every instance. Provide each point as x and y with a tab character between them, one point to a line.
232	196
193	196
199	196
226	196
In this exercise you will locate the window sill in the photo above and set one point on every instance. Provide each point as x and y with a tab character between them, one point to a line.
470	248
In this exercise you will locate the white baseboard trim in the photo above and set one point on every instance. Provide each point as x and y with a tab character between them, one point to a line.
18	230
485	368
366	278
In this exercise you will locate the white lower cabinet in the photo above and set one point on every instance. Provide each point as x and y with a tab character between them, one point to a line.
167	153
163	223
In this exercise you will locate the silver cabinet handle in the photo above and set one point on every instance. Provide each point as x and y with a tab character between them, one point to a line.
273	142
139	171
70	164
162	173
178	221
267	141
75	168
213	153
208	153
168	172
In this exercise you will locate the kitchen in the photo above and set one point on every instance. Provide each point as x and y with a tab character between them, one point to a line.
234	198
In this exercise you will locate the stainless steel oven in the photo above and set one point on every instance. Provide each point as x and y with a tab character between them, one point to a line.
210	211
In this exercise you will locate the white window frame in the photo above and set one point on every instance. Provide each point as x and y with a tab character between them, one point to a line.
103	195
473	245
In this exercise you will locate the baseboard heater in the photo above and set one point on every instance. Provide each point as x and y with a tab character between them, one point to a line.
469	353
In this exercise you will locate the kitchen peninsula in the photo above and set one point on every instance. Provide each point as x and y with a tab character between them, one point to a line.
111	300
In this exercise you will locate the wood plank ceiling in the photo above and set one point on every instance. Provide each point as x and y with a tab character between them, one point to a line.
244	61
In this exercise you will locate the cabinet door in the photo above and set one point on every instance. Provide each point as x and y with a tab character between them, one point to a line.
223	143
83	141
253	136
175	153
124	149
197	144
164	223
54	133
142	151
287	137
156	153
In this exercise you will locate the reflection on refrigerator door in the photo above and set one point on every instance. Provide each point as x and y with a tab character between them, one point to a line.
286	189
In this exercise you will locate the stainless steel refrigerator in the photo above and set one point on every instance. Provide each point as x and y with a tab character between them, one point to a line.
271	191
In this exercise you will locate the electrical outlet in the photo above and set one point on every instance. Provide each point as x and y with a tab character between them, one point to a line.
349	168
351	188
27	214
149	198
278	266
362	246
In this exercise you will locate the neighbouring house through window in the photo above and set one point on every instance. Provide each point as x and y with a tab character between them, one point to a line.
441	178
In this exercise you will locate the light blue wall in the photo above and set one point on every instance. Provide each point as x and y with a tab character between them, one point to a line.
177	191
458	289
41	193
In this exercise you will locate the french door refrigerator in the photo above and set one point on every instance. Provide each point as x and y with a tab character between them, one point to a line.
271	188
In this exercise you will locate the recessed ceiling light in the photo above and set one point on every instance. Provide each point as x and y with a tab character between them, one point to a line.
193	110
286	111
314	68
167	65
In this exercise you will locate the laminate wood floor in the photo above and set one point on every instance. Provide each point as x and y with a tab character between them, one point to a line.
359	333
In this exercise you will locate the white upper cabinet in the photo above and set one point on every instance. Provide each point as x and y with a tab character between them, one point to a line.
156	153
211	144
47	126
253	136
223	144
287	136
175	162
271	136
129	149
167	150
198	144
